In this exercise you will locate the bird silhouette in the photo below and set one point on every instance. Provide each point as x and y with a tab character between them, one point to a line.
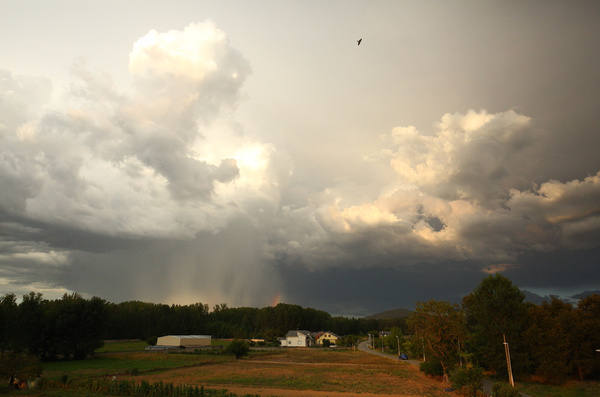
358	41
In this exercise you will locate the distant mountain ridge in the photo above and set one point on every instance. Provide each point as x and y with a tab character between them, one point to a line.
585	294
390	314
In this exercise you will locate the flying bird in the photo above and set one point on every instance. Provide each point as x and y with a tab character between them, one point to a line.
358	41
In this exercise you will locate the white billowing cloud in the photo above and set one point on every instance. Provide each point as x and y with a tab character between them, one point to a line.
134	164
469	157
193	52
464	193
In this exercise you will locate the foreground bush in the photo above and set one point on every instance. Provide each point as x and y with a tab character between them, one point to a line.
19	366
432	368
145	389
504	390
239	348
468	381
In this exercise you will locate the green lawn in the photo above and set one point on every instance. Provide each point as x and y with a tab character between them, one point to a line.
220	342
129	346
571	389
123	363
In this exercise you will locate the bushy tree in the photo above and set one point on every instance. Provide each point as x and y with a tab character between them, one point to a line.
441	326
432	368
238	347
504	390
468	381
393	339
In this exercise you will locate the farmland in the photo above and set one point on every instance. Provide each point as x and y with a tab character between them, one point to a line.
308	370
285	372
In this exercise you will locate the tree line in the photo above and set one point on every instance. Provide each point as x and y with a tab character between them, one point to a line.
72	327
553	341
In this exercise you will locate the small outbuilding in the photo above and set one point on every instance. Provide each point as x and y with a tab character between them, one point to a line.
184	340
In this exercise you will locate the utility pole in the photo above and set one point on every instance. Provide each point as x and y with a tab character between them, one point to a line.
423	342
459	355
398	340
381	336
508	366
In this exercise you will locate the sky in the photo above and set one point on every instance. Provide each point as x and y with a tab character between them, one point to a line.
251	153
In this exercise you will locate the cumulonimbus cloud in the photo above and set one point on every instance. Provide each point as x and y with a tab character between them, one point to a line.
158	179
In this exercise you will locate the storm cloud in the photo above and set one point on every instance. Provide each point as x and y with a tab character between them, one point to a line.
163	190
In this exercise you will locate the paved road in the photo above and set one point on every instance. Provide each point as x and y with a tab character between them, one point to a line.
363	346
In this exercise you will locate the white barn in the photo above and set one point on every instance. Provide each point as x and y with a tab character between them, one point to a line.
184	340
297	338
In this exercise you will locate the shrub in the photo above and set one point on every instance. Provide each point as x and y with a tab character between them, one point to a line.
18	365
504	390
432	368
238	348
151	340
326	343
467	380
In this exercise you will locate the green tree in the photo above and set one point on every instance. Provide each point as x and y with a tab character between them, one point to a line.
393	339
441	326
495	310
238	347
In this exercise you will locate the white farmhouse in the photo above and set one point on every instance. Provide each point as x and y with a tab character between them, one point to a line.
297	338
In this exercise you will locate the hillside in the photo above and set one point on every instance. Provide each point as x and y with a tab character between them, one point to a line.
390	314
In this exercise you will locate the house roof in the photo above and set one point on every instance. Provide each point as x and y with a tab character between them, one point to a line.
296	332
330	333
189	336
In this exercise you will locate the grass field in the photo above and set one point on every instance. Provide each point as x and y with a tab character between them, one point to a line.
570	389
126	346
123	363
284	373
309	371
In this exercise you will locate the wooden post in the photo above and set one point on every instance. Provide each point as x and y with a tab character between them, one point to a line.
508	366
459	355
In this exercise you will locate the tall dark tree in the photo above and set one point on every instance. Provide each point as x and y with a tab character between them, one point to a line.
496	311
586	339
551	339
8	318
32	326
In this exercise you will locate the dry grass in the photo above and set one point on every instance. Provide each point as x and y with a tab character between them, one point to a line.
309	371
